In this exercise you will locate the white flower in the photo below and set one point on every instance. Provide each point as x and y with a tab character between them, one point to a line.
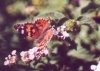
32	53
62	31
93	67
9	56
46	51
31	57
25	59
23	53
96	68
25	56
55	32
63	27
65	34
13	52
13	59
10	60
6	62
33	50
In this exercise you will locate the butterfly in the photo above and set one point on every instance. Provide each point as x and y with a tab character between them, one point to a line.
40	29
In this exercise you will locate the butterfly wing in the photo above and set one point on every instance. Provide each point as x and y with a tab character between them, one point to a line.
45	38
20	28
31	30
40	26
25	29
34	30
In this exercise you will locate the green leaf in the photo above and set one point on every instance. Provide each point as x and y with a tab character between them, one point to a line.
56	18
81	53
84	20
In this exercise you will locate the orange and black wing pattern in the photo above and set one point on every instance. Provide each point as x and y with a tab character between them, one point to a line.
40	29
33	29
40	25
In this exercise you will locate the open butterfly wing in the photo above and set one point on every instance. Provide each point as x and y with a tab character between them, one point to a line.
31	30
20	28
34	30
40	25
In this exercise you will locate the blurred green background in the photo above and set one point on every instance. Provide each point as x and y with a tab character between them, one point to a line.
62	57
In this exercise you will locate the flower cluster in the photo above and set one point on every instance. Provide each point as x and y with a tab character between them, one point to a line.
11	59
96	68
60	33
33	53
26	56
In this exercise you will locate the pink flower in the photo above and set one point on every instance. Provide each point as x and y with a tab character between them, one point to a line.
46	51
33	50
13	52
6	62
96	68
11	59
31	57
60	33
33	53
24	56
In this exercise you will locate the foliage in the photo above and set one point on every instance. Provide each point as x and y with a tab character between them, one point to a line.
76	53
